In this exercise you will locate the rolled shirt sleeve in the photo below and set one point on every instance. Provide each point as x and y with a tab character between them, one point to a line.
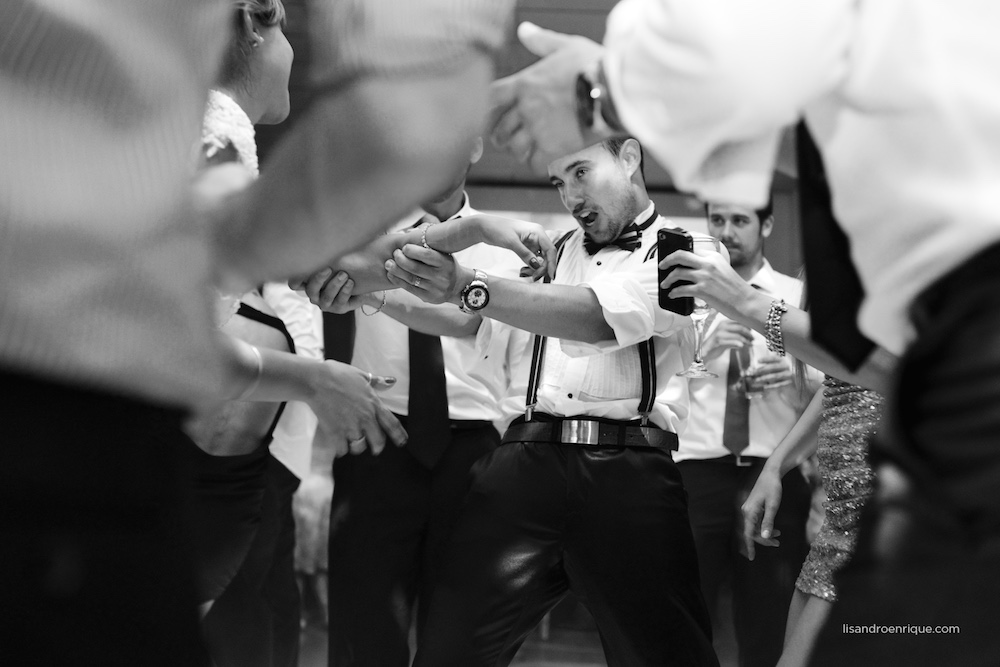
629	303
707	86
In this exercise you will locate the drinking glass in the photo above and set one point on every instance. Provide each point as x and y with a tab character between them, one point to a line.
704	246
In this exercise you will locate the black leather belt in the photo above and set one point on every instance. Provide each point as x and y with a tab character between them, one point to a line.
592	432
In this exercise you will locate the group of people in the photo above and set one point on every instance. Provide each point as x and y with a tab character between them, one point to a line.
537	437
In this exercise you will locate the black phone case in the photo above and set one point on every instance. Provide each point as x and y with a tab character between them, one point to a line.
667	241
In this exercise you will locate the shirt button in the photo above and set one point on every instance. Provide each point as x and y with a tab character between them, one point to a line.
570	395
598	263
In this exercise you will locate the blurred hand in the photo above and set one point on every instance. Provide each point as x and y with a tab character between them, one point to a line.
533	112
770	371
726	335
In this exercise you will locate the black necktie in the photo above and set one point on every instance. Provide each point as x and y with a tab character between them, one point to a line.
736	425
629	239
338	336
832	284
427	419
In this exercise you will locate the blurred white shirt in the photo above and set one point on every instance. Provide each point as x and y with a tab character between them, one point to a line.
900	96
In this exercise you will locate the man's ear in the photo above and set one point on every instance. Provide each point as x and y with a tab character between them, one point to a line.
477	150
631	154
766	226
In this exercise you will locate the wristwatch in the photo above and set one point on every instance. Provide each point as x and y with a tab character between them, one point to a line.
476	294
595	110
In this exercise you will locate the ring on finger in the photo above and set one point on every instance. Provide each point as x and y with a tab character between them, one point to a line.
416	281
369	377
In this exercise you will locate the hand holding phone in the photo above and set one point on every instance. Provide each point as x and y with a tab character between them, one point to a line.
667	242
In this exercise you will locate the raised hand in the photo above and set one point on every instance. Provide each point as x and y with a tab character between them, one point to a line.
533	112
712	279
527	240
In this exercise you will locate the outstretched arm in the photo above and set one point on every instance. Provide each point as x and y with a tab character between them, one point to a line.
569	312
342	396
366	266
433	319
718	284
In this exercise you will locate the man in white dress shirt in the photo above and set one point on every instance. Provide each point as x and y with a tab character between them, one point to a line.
583	494
391	513
728	438
899	97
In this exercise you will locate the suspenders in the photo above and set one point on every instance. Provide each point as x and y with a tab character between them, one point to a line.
647	360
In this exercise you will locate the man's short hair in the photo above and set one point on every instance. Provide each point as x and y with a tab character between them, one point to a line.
236	63
762	213
614	146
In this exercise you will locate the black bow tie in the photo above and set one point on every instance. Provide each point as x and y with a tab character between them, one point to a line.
629	239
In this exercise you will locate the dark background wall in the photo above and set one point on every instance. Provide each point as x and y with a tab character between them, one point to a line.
498	182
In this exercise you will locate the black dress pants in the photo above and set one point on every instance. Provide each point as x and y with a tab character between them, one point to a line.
91	516
924	582
256	619
540	519
389	521
762	589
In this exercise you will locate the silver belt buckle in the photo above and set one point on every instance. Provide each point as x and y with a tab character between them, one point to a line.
580	432
741	462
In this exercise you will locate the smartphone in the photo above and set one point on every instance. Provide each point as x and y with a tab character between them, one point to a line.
667	241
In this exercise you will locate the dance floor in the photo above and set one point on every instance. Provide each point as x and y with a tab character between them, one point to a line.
572	641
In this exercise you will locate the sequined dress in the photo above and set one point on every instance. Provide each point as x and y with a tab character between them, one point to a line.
850	417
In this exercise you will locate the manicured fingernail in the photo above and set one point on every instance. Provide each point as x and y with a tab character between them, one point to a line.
389	264
389	380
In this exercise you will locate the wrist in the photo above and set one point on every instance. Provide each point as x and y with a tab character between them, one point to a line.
463	276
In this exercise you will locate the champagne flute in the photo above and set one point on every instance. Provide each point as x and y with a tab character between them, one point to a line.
704	246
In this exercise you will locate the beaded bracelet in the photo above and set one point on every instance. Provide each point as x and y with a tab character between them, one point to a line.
772	328
377	310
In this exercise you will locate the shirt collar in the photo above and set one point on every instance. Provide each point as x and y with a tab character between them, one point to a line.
765	279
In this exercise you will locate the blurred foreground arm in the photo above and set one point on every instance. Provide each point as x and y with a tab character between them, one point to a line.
401	94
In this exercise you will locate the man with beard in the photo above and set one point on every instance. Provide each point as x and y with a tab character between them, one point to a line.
728	439
583	494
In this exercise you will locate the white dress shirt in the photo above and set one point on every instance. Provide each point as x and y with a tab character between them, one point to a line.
900	96
475	385
772	413
294	433
604	379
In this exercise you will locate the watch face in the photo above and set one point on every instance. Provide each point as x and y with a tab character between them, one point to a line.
477	298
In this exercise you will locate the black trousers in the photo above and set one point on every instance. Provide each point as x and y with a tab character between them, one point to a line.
91	513
256	619
928	552
762	589
609	523
389	521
